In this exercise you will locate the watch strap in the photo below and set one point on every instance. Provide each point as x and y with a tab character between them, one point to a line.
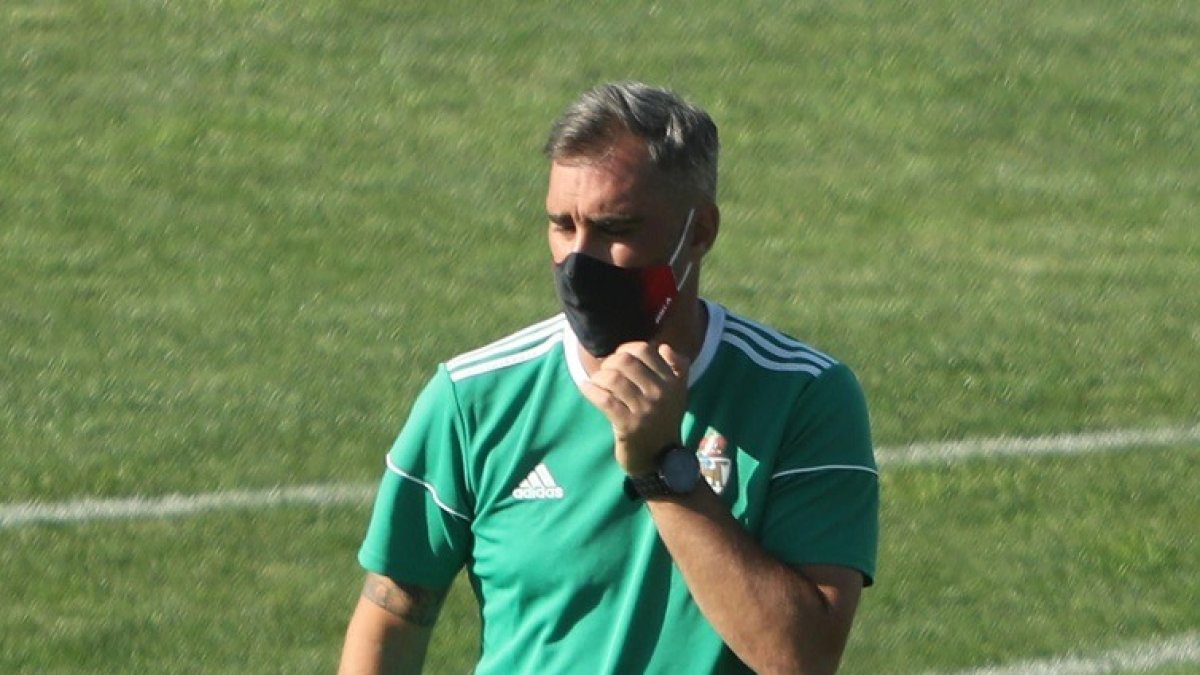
651	484
646	486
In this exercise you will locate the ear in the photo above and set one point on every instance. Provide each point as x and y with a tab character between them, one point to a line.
705	229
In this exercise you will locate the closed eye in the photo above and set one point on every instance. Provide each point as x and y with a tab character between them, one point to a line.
562	223
612	227
616	228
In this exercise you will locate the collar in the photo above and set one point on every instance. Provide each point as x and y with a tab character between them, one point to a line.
712	336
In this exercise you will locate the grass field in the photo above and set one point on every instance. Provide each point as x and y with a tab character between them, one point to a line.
236	236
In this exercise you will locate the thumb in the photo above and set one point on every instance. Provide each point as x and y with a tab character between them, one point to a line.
678	362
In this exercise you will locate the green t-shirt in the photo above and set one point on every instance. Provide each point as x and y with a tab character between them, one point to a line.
504	467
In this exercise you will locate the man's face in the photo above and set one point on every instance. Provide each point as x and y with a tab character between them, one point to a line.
617	209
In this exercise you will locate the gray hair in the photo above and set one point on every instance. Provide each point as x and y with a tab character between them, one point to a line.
681	138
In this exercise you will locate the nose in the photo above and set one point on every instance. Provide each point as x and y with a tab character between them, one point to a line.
589	243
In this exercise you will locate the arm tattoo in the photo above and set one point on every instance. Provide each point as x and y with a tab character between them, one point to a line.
417	605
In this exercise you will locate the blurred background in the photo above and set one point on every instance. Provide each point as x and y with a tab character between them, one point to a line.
237	236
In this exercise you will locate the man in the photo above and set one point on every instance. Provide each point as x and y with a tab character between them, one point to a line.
647	482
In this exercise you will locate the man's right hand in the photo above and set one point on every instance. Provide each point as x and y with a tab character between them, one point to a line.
642	389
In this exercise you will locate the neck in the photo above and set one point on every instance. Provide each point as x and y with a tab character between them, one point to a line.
683	329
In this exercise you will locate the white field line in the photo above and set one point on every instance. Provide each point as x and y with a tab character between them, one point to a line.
1139	658
1061	444
180	505
1181	649
81	510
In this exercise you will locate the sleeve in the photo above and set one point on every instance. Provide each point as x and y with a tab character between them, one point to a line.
823	499
420	529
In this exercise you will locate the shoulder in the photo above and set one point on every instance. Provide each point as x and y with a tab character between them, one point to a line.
773	368
500	357
771	350
493	380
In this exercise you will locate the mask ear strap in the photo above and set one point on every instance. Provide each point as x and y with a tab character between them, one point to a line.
683	238
683	279
687	230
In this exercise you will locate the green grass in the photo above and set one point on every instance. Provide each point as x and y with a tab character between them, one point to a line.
236	236
1034	557
981	561
233	593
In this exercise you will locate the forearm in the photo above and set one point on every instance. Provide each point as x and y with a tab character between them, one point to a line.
382	646
390	629
772	616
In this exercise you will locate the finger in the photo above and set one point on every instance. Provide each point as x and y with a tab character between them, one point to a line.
678	363
648	355
638	392
604	400
649	378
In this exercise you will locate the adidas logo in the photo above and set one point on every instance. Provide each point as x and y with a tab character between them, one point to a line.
539	484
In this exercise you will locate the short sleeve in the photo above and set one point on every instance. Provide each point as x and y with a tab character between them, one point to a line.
823	500
420	528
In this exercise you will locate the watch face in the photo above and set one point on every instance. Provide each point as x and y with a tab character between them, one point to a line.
680	470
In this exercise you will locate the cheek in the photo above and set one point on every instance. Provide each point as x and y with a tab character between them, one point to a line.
622	255
560	248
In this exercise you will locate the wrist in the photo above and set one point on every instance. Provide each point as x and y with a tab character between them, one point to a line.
641	459
676	472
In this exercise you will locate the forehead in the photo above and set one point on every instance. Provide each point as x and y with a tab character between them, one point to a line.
621	179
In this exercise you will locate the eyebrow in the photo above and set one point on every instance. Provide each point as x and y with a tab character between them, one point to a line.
604	220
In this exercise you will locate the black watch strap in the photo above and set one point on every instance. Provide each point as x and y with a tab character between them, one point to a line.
646	486
676	473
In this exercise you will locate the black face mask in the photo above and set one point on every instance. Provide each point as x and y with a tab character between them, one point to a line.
607	305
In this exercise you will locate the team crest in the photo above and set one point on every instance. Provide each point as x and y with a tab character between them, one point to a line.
715	464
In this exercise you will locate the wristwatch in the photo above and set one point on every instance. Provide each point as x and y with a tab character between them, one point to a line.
678	473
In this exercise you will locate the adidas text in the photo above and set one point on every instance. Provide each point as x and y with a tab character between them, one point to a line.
538	493
539	484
